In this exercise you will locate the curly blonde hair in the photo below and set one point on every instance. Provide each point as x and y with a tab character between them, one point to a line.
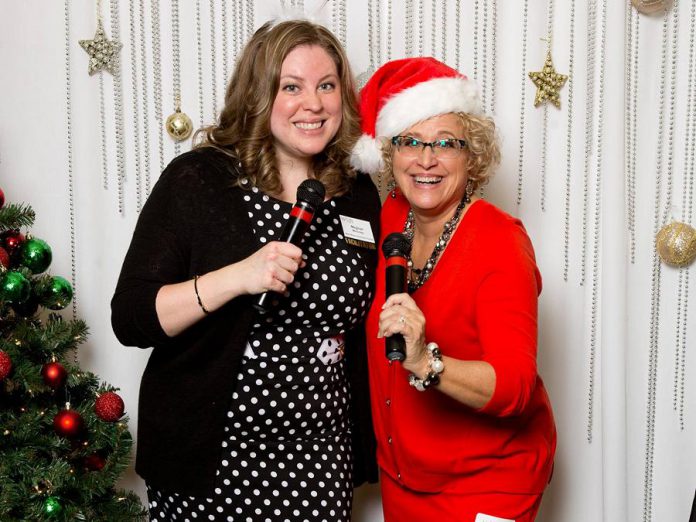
244	131
482	143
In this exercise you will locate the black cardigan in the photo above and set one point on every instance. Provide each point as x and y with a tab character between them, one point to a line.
193	222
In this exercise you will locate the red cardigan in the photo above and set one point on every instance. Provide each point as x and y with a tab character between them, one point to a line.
480	303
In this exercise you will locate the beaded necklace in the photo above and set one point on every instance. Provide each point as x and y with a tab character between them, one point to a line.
418	276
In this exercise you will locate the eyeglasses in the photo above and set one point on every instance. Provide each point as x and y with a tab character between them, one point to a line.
444	148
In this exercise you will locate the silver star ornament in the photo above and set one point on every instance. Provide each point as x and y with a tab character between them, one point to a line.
103	53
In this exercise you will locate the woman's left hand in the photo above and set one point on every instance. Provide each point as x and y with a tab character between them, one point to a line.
401	315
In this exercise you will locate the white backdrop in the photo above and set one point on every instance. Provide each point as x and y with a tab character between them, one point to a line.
626	313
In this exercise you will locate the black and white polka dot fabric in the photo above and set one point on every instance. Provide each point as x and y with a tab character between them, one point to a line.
286	451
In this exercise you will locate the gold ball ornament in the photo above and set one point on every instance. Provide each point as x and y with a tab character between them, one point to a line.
179	126
649	7
676	244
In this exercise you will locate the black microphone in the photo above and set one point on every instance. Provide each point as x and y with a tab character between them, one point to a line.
396	249
310	194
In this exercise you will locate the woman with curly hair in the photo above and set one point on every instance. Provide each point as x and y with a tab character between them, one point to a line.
246	415
464	426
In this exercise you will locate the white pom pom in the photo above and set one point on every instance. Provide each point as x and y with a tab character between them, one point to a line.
367	155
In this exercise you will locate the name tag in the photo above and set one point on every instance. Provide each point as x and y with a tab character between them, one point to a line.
490	518
357	232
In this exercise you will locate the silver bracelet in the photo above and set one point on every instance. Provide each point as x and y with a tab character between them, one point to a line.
435	368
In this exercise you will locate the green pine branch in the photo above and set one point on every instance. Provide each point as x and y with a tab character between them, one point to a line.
15	215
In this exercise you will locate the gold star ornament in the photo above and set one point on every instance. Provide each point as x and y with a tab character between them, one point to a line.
103	53
548	83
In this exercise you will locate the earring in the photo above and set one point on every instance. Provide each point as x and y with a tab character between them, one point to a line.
469	188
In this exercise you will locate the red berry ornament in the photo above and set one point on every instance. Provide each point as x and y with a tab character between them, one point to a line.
109	407
68	423
94	462
12	240
54	374
4	258
5	365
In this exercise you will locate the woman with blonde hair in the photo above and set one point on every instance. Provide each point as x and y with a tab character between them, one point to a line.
464	427
248	415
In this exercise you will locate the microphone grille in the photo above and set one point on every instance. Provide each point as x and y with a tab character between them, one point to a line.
311	191
396	244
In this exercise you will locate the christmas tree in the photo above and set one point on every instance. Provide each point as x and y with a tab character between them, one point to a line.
64	440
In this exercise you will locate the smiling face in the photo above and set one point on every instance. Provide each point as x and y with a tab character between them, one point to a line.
306	112
433	186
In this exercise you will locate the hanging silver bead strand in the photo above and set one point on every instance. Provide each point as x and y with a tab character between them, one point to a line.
433	28
102	132
523	103
444	31
176	71
484	57
494	52
118	110
71	178
545	118
457	32
199	49
569	142
589	124
157	78
144	90
136	104
687	214
225	43
421	28
655	294
408	29
213	59
671	113
475	41
632	32
389	30
102	116
634	132
378	32
597	224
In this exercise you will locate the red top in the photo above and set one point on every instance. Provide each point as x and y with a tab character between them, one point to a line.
480	303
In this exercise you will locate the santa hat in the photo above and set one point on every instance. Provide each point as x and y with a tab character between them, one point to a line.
400	94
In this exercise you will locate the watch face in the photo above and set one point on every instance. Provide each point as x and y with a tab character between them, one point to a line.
651	6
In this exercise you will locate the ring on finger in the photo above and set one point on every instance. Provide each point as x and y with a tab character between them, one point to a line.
402	319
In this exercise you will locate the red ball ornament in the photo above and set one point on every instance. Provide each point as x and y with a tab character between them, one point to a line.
4	258
94	462
54	374
68	423
109	407
2	198
5	365
12	240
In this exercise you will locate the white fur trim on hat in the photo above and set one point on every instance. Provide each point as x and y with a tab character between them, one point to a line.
367	155
425	100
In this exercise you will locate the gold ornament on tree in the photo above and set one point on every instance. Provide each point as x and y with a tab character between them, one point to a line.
179	126
676	244
651	6
548	82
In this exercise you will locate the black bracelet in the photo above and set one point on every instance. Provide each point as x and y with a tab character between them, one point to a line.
198	297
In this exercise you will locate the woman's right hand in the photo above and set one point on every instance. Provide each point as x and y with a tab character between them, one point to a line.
271	268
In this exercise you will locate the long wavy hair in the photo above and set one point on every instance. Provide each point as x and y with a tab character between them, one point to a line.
244	130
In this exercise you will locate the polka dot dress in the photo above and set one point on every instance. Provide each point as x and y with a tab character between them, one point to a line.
286	453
